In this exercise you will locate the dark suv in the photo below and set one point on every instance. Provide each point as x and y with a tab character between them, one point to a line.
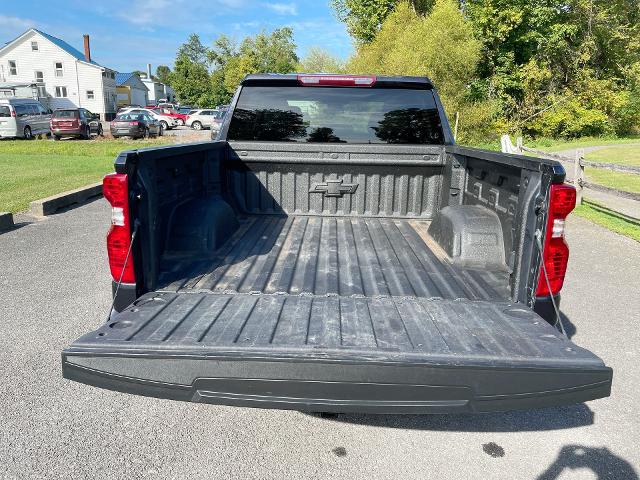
75	122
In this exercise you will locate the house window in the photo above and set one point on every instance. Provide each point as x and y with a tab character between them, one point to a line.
61	92
58	69
42	92
34	46
13	68
39	77
90	95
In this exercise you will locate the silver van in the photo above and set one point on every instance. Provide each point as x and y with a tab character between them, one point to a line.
23	117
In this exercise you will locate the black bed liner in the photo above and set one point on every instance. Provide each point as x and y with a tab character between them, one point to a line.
334	256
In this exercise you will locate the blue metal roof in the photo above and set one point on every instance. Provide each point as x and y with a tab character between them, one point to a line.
121	78
66	47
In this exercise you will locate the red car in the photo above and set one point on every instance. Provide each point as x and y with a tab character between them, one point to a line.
181	118
74	122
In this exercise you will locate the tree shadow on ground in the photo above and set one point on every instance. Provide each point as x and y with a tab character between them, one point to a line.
600	461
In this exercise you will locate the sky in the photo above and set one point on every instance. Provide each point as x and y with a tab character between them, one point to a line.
128	34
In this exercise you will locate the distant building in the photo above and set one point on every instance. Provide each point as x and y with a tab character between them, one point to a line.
131	90
158	91
58	74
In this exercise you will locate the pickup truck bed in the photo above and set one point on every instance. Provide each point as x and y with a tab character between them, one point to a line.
335	252
308	308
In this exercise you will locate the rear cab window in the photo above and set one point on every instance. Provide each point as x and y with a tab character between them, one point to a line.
65	114
336	115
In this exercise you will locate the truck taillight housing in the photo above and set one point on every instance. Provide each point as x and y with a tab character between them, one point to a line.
116	191
562	200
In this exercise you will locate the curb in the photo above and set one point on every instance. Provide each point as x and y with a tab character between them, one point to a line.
6	221
47	206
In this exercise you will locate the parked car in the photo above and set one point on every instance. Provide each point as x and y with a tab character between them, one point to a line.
126	107
166	122
344	257
74	122
181	118
136	125
204	118
162	104
23	118
216	125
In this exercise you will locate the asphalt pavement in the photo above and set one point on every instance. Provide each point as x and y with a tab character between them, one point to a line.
55	286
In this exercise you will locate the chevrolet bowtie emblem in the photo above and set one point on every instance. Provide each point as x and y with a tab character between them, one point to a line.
334	188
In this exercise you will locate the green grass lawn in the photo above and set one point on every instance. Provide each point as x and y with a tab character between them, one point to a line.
628	182
556	145
553	145
611	220
624	155
35	169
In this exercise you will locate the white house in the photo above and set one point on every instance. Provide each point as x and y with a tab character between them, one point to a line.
158	90
131	90
65	77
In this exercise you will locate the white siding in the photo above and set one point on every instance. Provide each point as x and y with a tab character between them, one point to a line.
156	90
78	76
90	78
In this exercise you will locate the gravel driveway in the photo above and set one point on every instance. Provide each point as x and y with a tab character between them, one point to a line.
55	287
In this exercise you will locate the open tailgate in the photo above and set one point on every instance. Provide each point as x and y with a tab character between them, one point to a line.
337	354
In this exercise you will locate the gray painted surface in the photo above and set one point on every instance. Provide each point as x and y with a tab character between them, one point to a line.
52	428
50	205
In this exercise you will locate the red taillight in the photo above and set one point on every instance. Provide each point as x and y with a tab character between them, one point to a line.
562	199
116	191
336	80
13	113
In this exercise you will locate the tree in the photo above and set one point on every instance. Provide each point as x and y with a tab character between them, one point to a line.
545	66
163	74
209	76
274	52
194	50
549	64
440	45
191	82
141	74
365	17
319	60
